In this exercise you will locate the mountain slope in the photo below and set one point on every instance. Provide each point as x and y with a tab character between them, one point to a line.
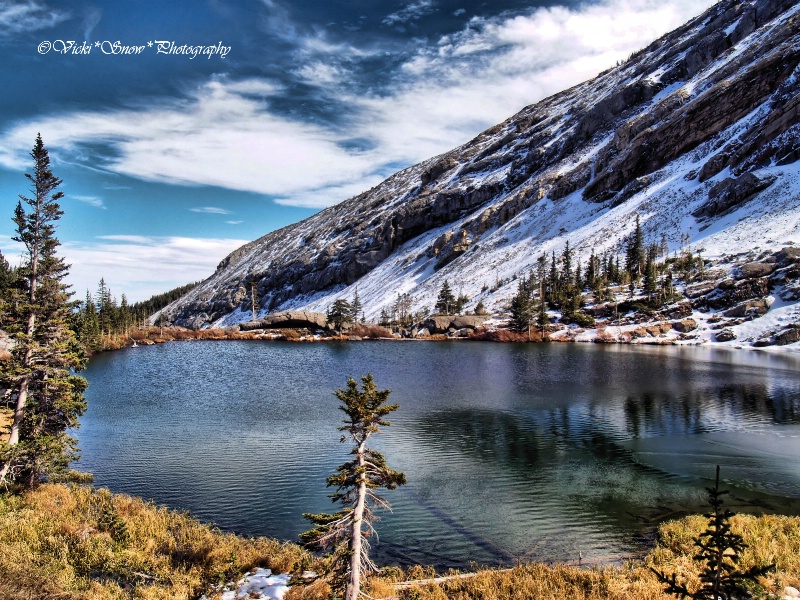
698	134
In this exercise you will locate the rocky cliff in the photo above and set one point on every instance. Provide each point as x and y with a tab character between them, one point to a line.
698	134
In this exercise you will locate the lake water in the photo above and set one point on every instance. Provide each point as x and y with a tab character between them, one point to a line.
531	452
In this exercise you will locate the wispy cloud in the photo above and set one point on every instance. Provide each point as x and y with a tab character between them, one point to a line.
141	266
27	16
234	222
90	200
412	12
226	133
211	210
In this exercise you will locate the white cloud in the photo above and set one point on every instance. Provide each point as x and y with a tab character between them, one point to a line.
210	210
141	266
90	200
225	134
217	137
412	12
234	222
494	68
320	73
27	16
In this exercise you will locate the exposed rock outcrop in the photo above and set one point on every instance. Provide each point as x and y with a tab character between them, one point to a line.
288	319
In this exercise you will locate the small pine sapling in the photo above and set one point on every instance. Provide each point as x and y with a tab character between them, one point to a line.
343	534
719	551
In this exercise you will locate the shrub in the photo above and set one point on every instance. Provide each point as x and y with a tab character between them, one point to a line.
371	332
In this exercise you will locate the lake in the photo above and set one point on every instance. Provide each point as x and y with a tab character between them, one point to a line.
512	451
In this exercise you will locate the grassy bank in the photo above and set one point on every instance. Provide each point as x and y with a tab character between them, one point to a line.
75	543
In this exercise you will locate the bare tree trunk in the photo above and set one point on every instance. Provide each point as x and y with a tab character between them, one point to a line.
353	587
22	396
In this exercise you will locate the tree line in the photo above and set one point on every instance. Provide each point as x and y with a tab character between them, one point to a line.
101	321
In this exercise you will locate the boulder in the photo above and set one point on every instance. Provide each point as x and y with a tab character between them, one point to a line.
726	335
677	311
422	333
684	325
469	321
750	307
699	289
787	255
787	336
438	323
756	269
290	319
445	323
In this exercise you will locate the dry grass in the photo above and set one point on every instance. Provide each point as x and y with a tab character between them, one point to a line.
370	332
771	539
75	543
72	542
506	335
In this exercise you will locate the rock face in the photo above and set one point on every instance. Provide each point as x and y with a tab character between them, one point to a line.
288	319
444	323
732	192
715	103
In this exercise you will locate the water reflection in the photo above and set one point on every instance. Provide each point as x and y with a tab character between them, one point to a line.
512	451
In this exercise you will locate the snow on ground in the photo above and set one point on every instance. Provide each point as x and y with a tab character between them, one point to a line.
261	585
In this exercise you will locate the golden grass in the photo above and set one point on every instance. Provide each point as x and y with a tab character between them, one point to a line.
6	419
76	543
770	539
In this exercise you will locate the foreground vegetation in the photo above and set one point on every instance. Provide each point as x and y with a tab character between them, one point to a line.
76	543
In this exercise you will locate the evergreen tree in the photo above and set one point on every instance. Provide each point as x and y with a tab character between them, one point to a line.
567	277
446	301
344	533
552	282
357	307
46	395
650	278
635	254
340	313
719	550
522	308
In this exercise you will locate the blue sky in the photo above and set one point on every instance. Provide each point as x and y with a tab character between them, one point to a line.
266	111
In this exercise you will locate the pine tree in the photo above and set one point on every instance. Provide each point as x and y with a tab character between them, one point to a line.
47	396
635	254
719	550
446	301
357	307
522	310
340	313
344	533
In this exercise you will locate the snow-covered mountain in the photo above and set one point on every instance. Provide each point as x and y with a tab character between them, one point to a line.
698	134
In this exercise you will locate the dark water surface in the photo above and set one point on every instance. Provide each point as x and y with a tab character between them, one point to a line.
511	451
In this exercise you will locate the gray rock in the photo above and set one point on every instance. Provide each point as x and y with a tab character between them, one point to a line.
787	255
290	319
726	335
469	321
750	307
787	336
684	325
731	192
422	333
756	269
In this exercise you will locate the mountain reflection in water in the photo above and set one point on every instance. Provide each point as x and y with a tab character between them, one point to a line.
511	451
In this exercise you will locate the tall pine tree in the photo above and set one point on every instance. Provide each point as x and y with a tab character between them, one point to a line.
47	397
344	533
